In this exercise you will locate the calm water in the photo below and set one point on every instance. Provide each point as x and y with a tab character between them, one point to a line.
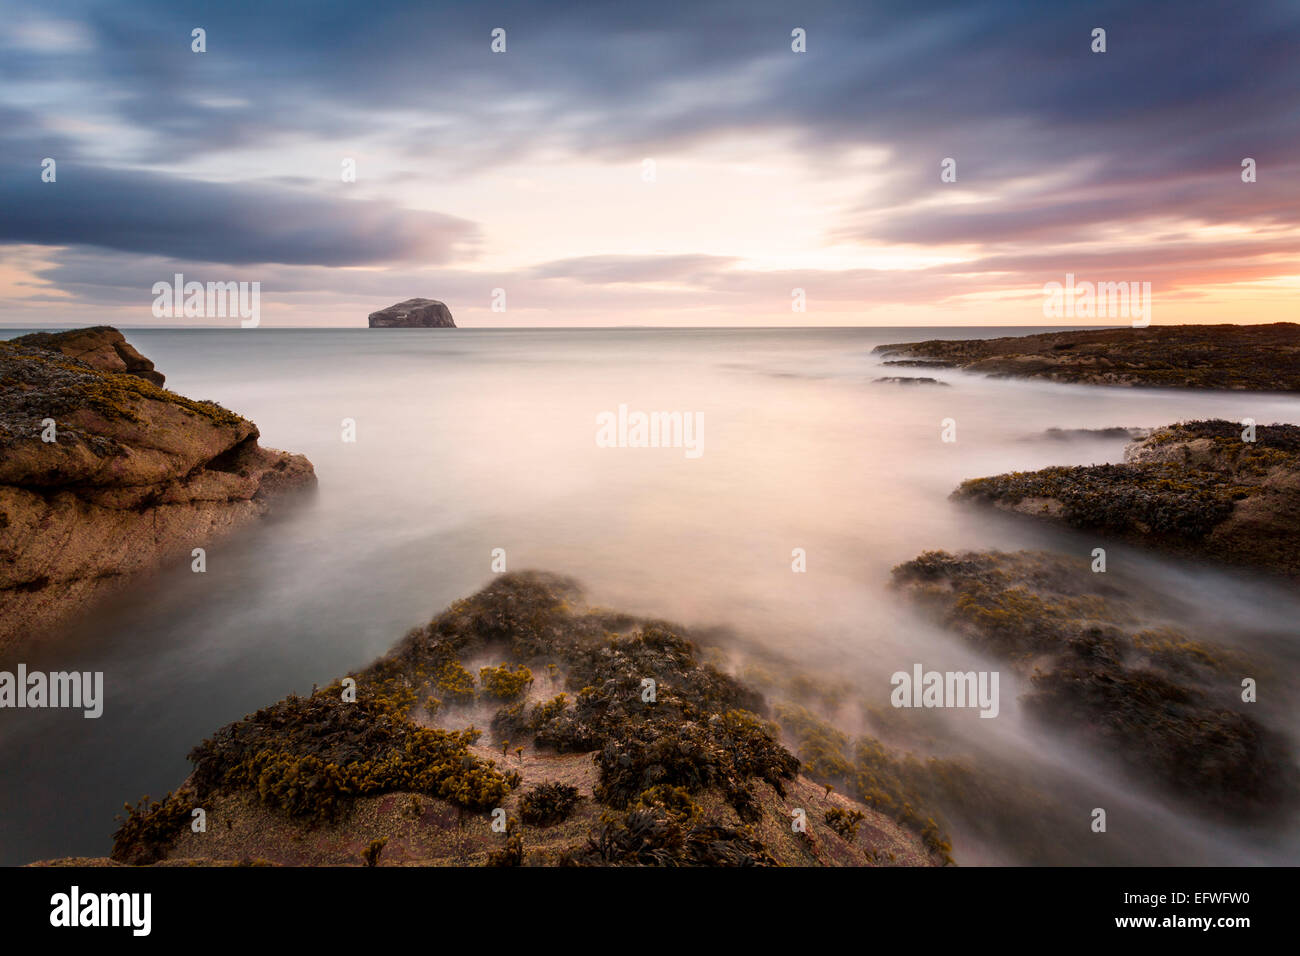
471	440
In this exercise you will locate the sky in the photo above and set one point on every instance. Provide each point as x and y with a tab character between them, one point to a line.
649	163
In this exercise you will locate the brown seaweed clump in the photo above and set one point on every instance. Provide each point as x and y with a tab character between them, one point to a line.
844	822
654	837
309	755
150	826
504	684
548	803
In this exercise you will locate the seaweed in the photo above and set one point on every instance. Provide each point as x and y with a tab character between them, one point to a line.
726	751
504	684
512	854
1194	487
1154	698
898	787
548	804
371	853
651	837
844	822
150	827
659	758
311	756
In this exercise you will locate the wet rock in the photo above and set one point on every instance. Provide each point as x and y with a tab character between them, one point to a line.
103	474
908	380
1070	434
102	347
1254	357
921	363
1195	488
1102	667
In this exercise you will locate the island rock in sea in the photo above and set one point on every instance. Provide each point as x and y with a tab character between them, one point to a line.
104	474
413	314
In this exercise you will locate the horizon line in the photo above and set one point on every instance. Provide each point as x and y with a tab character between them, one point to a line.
640	328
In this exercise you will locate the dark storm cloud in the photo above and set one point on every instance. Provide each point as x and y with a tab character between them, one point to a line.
626	75
239	224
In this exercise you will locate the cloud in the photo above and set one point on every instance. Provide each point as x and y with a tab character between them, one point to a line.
172	156
238	224
607	270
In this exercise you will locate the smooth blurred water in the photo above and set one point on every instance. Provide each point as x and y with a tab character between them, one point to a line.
470	440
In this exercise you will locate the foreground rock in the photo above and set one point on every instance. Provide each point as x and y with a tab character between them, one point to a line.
413	314
1101	667
131	475
1255	357
587	767
1194	488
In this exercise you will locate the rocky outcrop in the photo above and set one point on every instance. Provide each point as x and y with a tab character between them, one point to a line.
102	347
1242	357
1101	664
907	380
1117	431
1194	488
588	769
413	314
921	363
103	474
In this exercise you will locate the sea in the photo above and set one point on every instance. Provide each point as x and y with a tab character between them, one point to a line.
444	455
